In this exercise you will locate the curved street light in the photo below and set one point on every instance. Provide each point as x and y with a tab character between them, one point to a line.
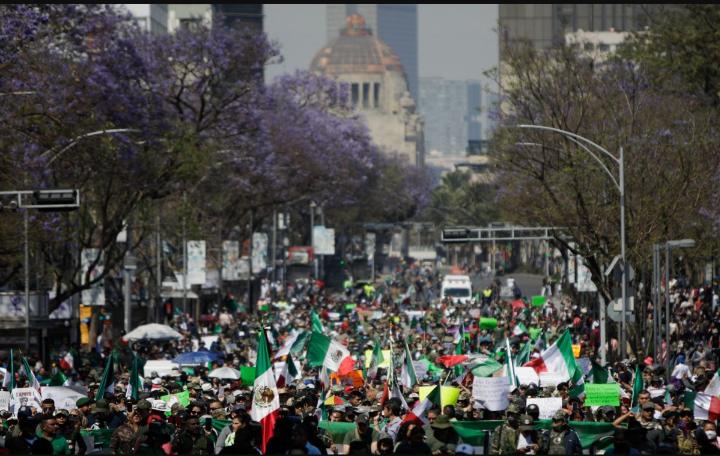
586	144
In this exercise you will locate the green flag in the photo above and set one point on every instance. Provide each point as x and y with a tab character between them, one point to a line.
458	370
377	359
107	383
637	387
486	368
599	373
317	325
32	380
523	355
9	379
133	390
59	379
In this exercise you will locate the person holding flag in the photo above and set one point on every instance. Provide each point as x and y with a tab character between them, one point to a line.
265	398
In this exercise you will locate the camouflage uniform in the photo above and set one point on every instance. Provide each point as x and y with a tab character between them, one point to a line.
504	438
564	442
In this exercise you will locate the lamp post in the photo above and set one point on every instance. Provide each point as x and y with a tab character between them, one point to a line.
585	144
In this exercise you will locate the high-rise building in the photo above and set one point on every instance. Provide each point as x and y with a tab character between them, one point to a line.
188	15
151	17
546	25
452	111
394	24
240	14
378	88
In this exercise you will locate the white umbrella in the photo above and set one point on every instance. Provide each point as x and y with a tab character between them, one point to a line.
153	331
226	373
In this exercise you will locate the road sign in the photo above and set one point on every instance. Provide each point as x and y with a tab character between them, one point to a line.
614	310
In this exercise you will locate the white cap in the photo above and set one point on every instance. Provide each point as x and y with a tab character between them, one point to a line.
156	381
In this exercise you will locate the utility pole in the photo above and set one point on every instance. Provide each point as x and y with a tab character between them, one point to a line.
274	244
250	263
27	282
128	266
158	273
184	250
312	236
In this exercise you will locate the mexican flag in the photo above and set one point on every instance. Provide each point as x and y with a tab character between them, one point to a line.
9	379
266	399
324	351
707	403
558	358
419	410
288	372
317	325
452	360
68	361
510	367
135	384
523	355
59	379
107	383
519	329
486	368
377	359
408	378
293	344
31	376
637	387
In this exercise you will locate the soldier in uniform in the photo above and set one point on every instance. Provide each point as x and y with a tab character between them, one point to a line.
191	440
504	439
561	439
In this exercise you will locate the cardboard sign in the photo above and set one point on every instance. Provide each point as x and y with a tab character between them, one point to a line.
491	392
602	394
64	397
576	350
178	398
538	301
551	379
547	405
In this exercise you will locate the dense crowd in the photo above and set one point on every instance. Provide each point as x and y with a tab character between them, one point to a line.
370	412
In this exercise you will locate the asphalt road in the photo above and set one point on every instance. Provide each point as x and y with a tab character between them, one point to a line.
530	284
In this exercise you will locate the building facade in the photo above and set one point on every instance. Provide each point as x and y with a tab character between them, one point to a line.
151	17
394	24
378	88
452	113
188	15
239	15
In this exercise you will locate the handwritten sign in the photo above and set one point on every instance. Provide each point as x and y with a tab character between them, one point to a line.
602	394
491	392
547	405
4	400
24	397
64	397
552	379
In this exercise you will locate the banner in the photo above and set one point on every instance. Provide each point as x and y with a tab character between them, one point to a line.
421	369
551	379
491	392
196	262
602	394
24	397
95	295
231	260
538	301
172	399
160	367
64	396
488	323
323	240
259	252
547	405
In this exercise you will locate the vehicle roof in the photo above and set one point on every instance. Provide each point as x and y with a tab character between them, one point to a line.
457	278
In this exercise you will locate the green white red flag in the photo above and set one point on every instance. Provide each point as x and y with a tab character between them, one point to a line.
408	377
266	399
558	358
324	351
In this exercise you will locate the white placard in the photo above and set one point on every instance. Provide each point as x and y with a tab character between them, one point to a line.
231	260
551	379
4	400
21	397
491	392
209	340
95	295
547	405
196	262
161	367
526	375
335	316
64	397
421	369
323	240
259	252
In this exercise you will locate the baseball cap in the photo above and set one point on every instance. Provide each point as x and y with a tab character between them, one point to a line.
464	448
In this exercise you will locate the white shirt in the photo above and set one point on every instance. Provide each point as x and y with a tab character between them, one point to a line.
524	442
680	371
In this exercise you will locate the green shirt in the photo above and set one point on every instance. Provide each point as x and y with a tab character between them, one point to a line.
59	444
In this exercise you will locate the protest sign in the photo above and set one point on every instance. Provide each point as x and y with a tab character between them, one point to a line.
4	400
64	397
552	379
160	367
547	405
602	394
534	333
526	375
421	369
24	397
448	394
178	398
538	301
491	392
488	323
350	306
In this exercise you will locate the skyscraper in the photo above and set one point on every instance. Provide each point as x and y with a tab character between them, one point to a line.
546	25
394	24
240	14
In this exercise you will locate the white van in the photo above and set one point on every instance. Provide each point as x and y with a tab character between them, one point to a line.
458	288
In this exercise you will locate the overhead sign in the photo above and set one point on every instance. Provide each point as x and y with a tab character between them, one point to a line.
196	262
323	240
300	255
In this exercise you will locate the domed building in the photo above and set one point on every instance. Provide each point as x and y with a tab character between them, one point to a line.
378	88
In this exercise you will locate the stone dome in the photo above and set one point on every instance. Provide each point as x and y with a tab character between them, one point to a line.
356	50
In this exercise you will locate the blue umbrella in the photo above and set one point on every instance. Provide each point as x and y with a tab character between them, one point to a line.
197	358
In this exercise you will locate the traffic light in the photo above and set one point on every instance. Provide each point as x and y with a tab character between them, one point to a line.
455	235
55	200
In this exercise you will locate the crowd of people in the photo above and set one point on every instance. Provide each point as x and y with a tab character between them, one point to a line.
370	412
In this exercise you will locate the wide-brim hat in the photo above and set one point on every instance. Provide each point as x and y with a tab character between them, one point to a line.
441	422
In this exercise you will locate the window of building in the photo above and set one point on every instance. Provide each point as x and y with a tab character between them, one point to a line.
366	95
604	47
355	94
190	23
589	46
376	94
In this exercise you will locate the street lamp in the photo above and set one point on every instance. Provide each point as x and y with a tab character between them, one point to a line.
585	144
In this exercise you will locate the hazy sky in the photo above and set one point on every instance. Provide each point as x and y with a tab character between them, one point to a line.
454	41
